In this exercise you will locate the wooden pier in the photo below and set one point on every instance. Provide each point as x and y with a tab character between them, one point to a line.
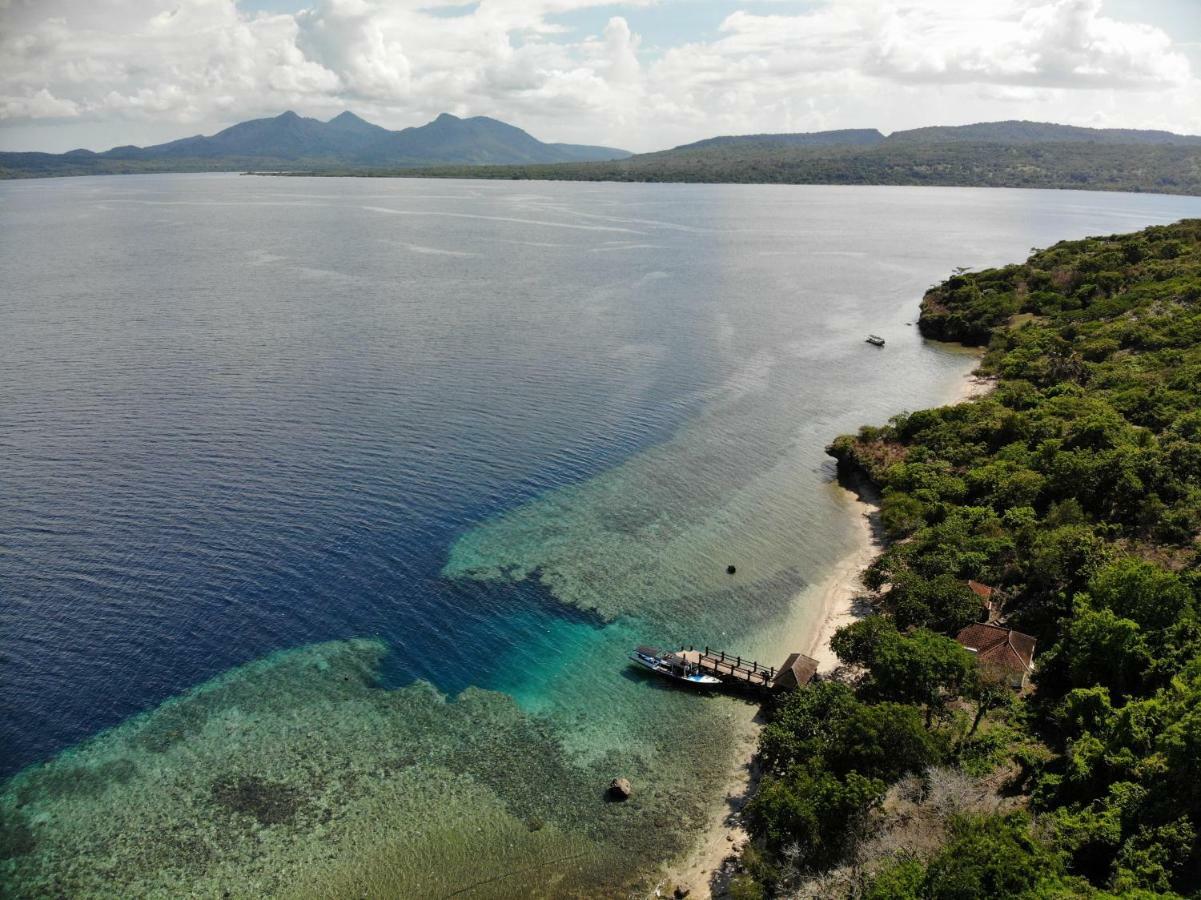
735	671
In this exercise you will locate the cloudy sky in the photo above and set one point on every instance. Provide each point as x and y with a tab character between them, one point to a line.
642	75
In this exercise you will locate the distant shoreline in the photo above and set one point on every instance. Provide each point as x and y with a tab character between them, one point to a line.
521	173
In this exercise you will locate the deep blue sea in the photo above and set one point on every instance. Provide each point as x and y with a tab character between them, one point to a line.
490	425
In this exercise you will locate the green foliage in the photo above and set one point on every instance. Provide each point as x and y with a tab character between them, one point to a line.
922	668
814	811
1150	858
829	756
990	857
944	603
901	880
993	856
1138	590
901	514
828	726
1098	647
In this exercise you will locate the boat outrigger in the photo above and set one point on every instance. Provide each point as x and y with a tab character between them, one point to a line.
672	665
875	340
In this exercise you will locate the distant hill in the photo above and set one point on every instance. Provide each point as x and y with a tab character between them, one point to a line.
1015	132
293	142
995	154
844	137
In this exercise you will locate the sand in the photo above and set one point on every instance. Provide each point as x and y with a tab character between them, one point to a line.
842	595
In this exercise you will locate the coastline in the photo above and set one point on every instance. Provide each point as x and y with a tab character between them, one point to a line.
841	595
706	869
708	864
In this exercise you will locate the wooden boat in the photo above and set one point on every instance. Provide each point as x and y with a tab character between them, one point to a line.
673	666
875	340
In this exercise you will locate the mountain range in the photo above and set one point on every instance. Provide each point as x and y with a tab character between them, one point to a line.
291	142
988	154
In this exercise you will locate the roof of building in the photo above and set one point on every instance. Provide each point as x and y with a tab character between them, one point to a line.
999	646
983	591
797	671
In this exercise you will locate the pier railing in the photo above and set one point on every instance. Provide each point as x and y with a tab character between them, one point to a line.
728	665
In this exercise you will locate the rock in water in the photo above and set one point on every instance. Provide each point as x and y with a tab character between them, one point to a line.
619	789
730	570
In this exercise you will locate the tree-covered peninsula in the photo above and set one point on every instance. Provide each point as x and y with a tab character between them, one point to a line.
1073	493
1168	169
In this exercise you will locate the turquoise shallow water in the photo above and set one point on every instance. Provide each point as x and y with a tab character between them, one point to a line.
331	507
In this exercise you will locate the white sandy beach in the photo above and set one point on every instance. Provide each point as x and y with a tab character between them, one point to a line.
838	593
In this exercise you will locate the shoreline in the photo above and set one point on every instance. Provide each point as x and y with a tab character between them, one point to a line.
842	593
843	599
705	867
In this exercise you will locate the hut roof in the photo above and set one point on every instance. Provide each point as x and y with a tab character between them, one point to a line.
983	591
797	671
997	646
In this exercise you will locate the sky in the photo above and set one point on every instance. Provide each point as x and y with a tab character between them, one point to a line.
642	75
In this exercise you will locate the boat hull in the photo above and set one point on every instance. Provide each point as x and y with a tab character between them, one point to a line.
662	666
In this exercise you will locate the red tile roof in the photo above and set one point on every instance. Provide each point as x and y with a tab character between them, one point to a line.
999	646
983	591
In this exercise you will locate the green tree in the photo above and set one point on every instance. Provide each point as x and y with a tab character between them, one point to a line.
1138	590
826	725
990	857
922	668
1097	648
944	603
814	811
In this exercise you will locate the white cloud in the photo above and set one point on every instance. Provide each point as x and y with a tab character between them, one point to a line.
39	105
1062	43
77	71
351	39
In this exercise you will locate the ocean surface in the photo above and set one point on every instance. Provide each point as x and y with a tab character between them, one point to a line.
329	508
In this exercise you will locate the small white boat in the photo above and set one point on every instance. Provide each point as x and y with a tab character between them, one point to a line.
875	340
672	665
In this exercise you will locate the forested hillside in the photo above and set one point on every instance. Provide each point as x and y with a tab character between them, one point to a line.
1073	489
927	160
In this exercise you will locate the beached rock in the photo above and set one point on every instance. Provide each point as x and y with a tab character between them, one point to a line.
619	789
682	891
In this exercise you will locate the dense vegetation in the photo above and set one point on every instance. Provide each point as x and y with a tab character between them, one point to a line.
1075	488
1168	168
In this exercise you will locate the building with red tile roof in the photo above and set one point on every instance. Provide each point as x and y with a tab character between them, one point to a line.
1007	652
